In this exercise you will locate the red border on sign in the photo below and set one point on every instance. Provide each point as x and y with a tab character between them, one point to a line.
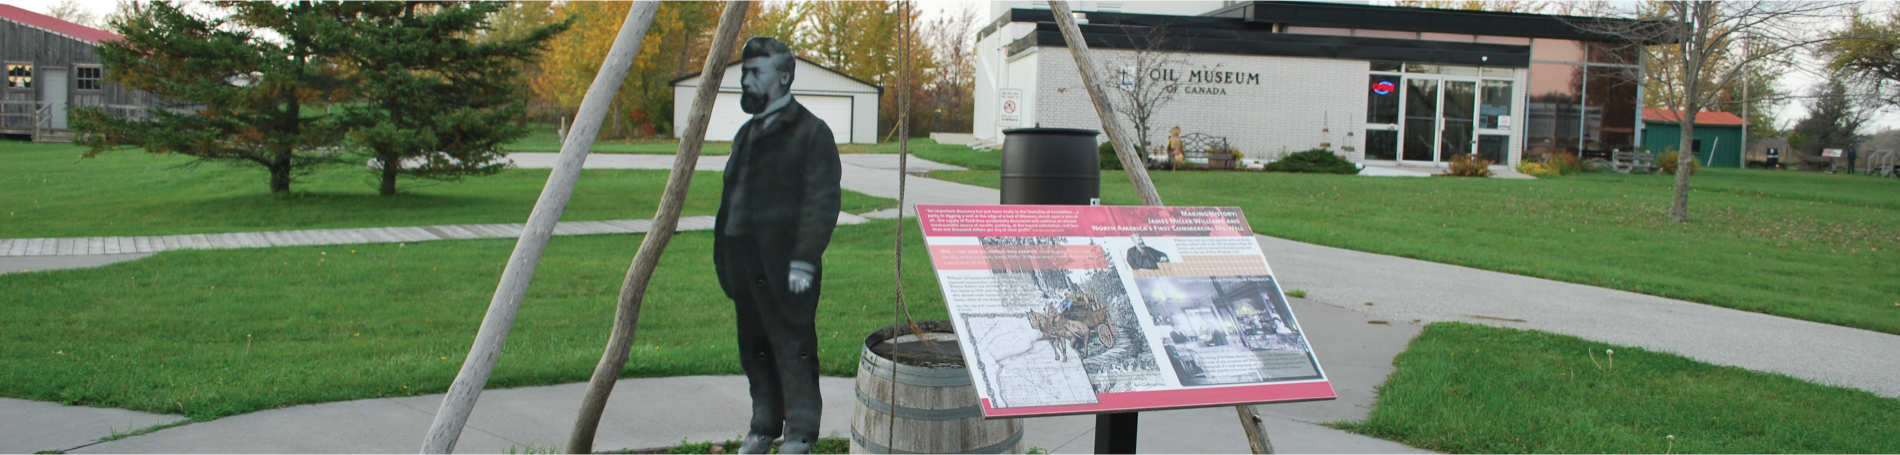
1180	398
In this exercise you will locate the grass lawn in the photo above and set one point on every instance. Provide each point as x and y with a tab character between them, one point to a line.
47	191
1818	247
222	332
1465	388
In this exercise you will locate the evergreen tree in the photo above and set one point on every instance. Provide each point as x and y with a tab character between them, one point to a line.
246	89
1834	119
431	101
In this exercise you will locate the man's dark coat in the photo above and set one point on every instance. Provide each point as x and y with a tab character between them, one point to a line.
1145	258
780	203
792	196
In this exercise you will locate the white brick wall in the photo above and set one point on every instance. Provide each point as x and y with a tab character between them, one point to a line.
1295	99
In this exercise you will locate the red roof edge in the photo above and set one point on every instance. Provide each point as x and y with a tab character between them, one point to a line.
55	25
1716	118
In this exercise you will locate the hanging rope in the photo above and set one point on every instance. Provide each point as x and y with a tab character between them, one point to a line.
900	314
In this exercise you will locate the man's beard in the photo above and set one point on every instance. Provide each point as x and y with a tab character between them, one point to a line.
752	102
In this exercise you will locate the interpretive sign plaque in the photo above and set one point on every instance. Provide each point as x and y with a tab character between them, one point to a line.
1090	309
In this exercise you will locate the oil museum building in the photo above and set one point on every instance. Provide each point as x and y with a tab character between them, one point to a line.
1376	84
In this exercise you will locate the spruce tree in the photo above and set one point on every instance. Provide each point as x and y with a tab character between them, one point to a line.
247	89
430	99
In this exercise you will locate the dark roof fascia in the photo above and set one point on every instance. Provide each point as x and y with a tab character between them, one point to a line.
1263	16
1263	43
880	88
1410	19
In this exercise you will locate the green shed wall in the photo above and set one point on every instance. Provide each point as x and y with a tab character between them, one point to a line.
1660	138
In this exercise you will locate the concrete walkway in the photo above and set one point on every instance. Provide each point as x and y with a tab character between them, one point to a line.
658	412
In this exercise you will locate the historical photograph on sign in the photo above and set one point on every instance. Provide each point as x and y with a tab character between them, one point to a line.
1081	309
1227	329
1070	307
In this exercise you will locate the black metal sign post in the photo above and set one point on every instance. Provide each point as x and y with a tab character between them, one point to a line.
1061	166
1115	432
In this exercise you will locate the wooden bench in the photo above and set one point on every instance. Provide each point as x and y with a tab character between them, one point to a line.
1637	161
1817	163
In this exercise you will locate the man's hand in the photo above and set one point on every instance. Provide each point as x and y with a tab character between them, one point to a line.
801	276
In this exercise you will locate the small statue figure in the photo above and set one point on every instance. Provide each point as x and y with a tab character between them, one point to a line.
776	214
1177	152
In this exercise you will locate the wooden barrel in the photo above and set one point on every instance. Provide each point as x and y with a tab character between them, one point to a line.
935	410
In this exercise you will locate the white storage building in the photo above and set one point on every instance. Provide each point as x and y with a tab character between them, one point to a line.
847	104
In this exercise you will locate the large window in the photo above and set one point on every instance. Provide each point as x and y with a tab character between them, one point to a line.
19	75
1583	98
89	76
1494	110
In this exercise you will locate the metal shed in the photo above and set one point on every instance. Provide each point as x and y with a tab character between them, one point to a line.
50	68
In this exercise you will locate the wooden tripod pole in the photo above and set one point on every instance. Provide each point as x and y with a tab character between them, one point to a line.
460	401
665	221
1085	64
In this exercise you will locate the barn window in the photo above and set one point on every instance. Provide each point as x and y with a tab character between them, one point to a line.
89	77
19	75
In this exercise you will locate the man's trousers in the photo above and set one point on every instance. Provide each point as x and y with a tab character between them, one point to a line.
778	341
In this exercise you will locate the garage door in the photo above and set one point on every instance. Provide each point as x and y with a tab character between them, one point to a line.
728	116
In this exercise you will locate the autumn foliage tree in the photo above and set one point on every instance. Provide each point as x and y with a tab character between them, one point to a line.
675	45
248	87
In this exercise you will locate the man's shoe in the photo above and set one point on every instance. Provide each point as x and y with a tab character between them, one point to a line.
795	445
757	444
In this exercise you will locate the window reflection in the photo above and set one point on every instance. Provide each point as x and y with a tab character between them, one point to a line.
1610	99
1556	49
1553	113
1494	111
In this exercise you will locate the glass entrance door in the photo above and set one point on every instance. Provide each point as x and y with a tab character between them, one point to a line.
1441	119
1421	120
1457	119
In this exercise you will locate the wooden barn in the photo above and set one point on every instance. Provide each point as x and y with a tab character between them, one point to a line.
51	68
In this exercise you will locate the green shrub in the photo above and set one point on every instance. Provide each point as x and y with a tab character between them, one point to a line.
1110	160
1668	163
1314	161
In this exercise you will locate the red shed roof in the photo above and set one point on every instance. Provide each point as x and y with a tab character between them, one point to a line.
55	25
1717	118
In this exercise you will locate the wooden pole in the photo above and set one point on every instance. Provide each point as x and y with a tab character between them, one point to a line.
460	401
1138	175
665	221
1085	64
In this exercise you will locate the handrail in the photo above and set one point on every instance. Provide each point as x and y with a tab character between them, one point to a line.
42	116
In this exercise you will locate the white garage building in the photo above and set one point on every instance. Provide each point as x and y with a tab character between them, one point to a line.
847	104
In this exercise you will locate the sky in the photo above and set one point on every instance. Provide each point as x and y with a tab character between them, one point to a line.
1804	74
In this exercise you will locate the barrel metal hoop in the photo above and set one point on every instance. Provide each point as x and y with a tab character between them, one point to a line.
919	413
909	378
1000	447
914	370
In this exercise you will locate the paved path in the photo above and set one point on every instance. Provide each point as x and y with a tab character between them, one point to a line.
658	412
138	247
1406	289
33	426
